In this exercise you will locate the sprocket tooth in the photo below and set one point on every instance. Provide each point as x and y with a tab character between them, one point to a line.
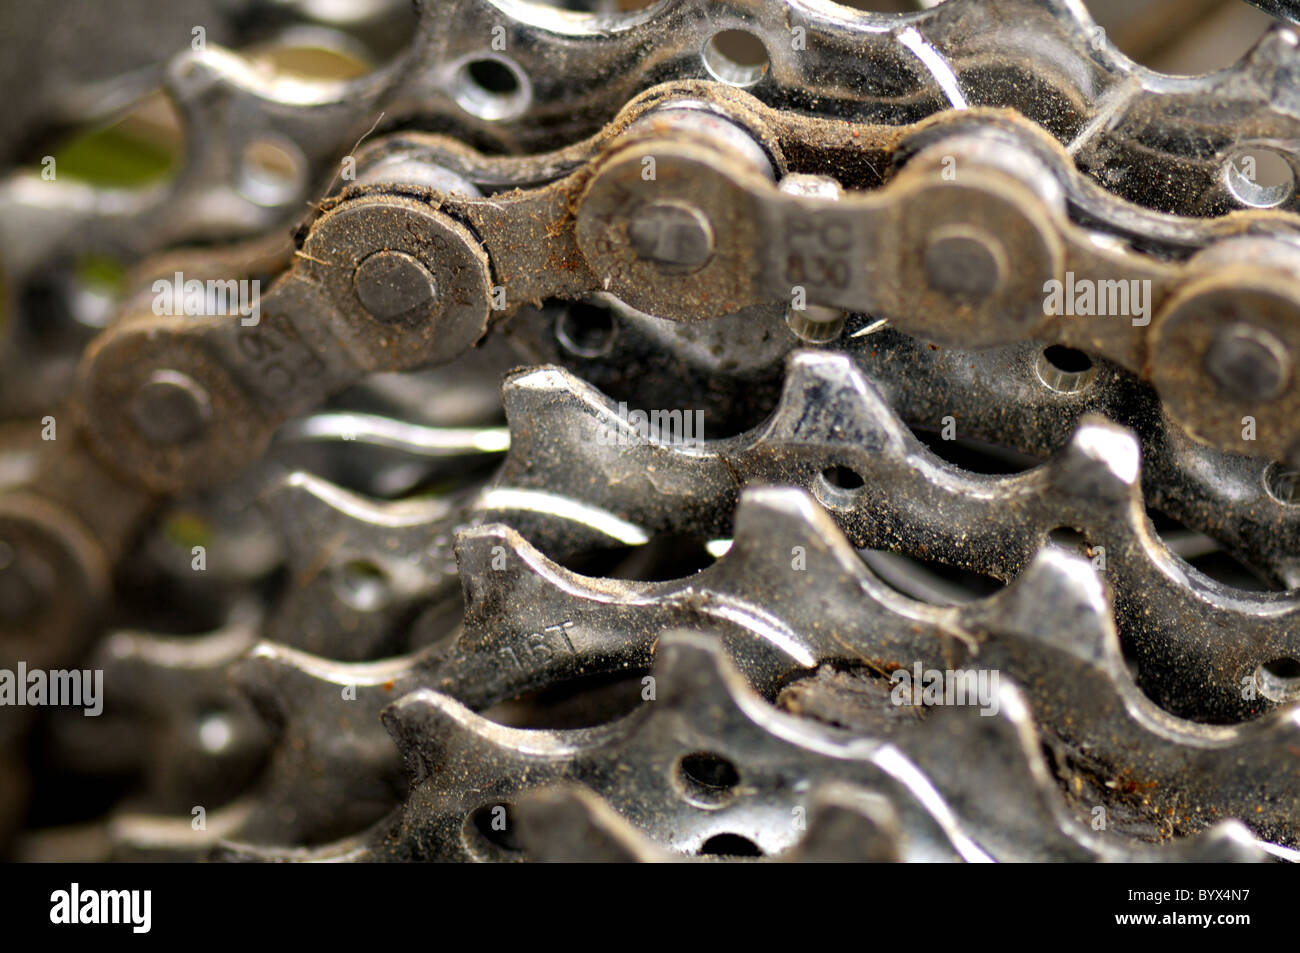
167	839
1092	484
604	461
332	771
848	826
825	394
353	576
258	676
1019	794
438	736
1273	61
169	714
692	672
1101	462
312	513
702	703
789	547
456	759
530	622
569	824
912	502
1019	619
349	851
1227	842
540	393
1059	600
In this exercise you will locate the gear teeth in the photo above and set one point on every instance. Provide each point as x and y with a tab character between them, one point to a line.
1227	842
1220	494
348	607
1096	708
1079	619
353	850
569	824
849	825
1101	461
564	626
1058	603
1273	62
601	459
276	676
702	703
831	413
145	838
441	739
172	716
827	396
446	745
536	393
169	714
331	772
310	512
1022	796
1019	795
332	752
321	613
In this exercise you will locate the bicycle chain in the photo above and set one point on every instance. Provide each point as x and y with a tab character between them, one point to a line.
230	385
